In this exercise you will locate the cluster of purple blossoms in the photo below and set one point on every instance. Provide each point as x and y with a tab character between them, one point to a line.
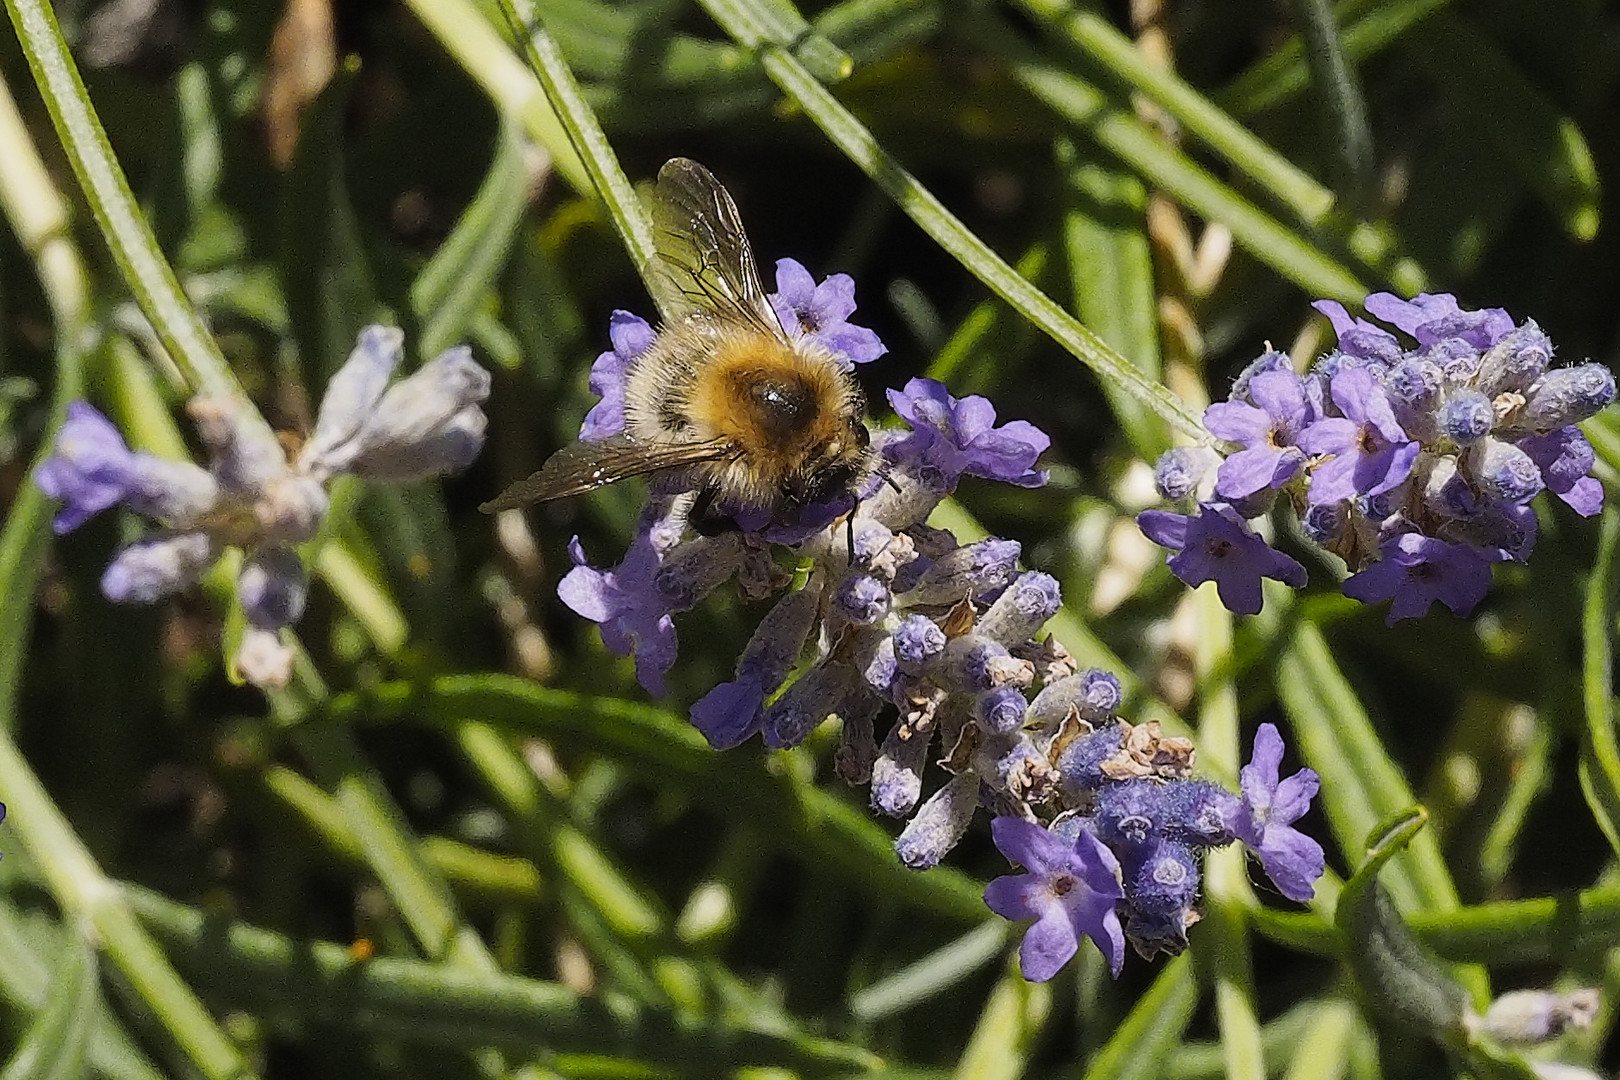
925	649
1415	465
253	496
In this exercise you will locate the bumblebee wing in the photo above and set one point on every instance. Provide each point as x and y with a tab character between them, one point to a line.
703	265
586	466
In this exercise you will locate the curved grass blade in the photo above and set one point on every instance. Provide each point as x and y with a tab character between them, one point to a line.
1600	750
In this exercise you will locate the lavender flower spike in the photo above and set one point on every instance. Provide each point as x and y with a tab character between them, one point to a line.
1265	820
821	312
1217	546
1069	890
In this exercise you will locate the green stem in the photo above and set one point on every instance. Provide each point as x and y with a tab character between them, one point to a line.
584	131
1341	93
742	20
134	248
428	1003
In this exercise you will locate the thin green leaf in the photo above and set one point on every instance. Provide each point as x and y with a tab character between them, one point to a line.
932	975
1340	91
1150	1033
1111	273
56	1044
451	287
1006	1032
1338	740
1542	145
1600	750
1402	980
326	272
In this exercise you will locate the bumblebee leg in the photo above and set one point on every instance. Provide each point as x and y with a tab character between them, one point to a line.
707	520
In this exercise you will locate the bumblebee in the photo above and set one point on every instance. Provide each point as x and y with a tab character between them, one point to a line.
725	401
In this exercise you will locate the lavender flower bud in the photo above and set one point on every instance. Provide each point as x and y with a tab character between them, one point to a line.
1515	362
1270	360
246	453
1568	396
1080	765
979	663
1013	764
1413	388
272	587
695	568
897	772
351	400
820	693
1326	523
1000	711
917	641
1178	471
1466	417
1505	473
975	570
862	598
1447	493
1526	1017
1022	609
1457	359
881	667
939	824
263	659
177	493
150	569
427	424
1093	695
290	508
1160	887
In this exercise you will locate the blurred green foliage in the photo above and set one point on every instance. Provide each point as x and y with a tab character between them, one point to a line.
466	844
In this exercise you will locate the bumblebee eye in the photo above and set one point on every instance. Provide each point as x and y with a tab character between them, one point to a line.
863	438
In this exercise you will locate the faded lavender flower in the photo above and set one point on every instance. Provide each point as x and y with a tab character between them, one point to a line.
1416	465
255	498
926	650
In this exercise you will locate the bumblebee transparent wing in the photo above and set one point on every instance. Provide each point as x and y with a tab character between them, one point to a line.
586	466
703	263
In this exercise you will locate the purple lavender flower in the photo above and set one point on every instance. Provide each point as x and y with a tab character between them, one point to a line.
1432	317
1565	458
630	336
1371	452
951	437
1265	819
626	603
821	312
94	469
1218	546
1266	429
1358	337
1414	571
1069	889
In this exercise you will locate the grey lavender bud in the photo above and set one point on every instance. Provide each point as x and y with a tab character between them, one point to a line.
1093	695
272	587
1505	473
975	570
1516	361
978	663
1467	416
1178	471
1022	609
862	598
1001	710
1568	395
917	641
150	569
939	824
897	772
